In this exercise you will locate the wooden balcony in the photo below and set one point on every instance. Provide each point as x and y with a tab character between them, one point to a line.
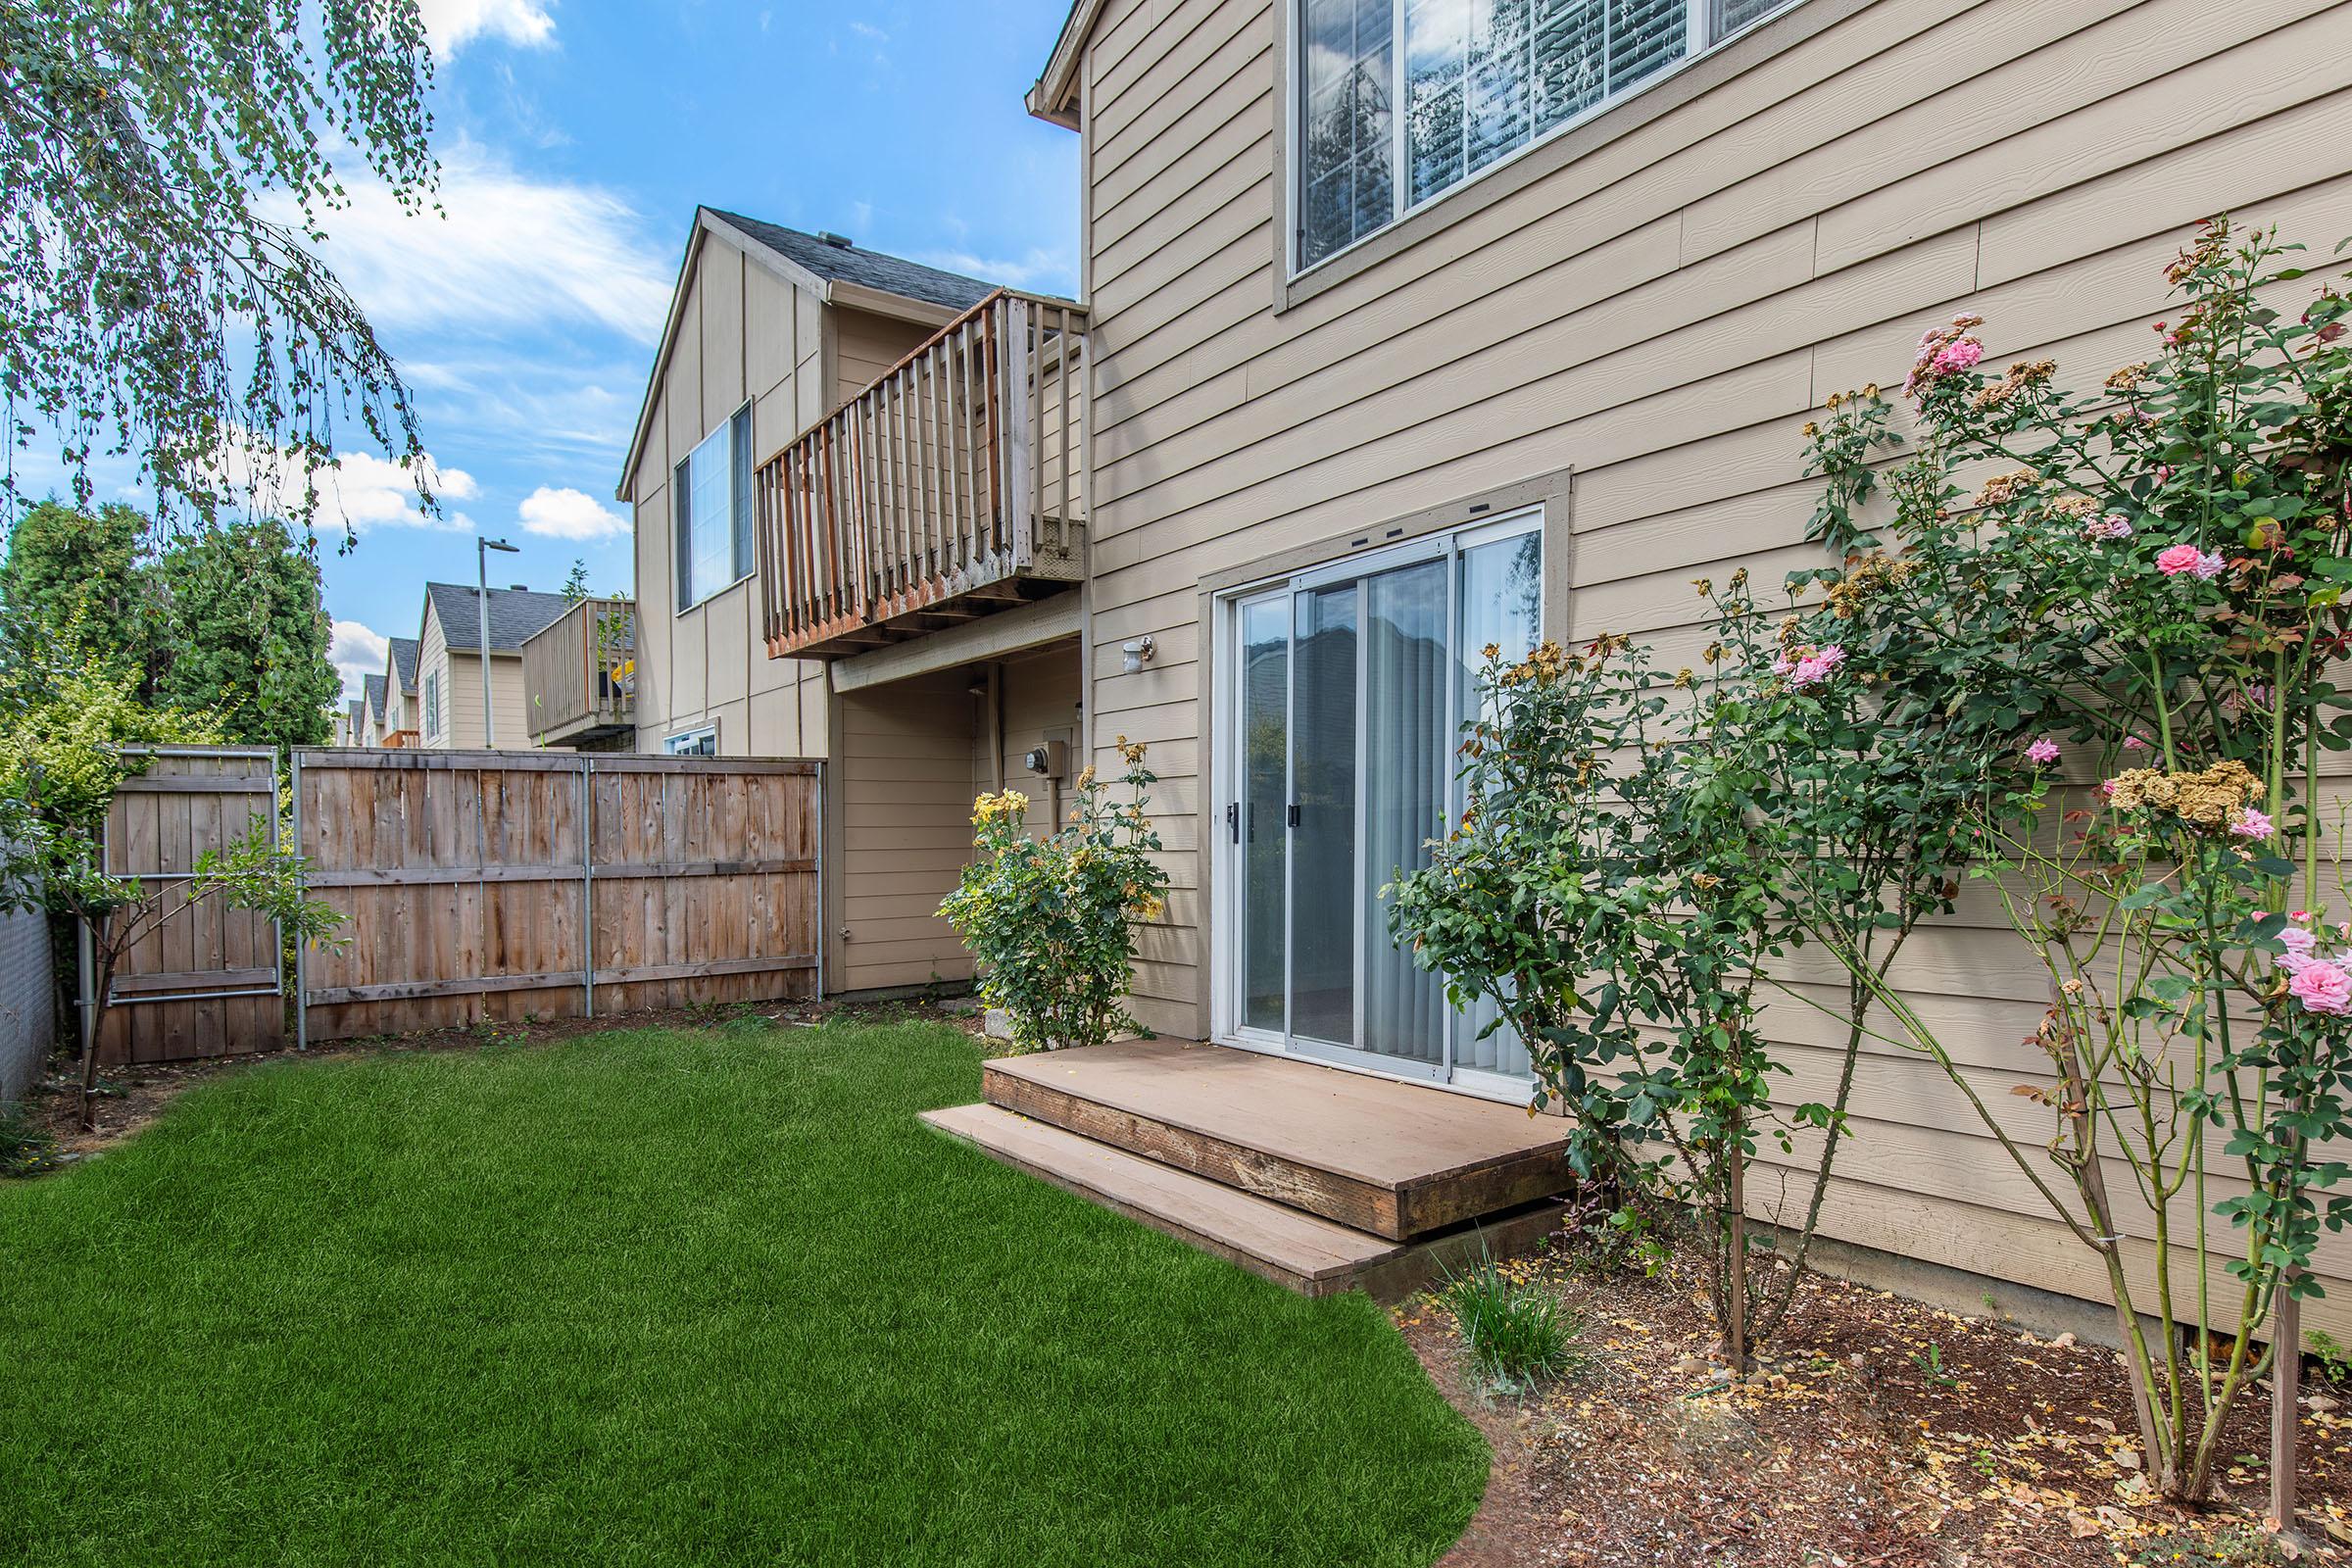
397	738
579	673
951	488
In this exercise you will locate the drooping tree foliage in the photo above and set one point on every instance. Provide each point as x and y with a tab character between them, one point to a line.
166	167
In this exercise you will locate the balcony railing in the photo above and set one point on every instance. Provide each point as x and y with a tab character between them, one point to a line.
952	487
579	673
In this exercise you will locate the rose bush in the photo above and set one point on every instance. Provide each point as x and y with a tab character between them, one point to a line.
1052	919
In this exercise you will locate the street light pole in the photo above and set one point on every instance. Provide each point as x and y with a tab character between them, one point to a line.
482	546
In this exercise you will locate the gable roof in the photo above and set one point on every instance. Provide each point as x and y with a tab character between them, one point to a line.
841	275
847	263
514	613
404	659
350	716
373	688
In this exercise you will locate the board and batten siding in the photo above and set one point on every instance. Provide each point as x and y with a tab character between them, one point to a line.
1655	301
745	334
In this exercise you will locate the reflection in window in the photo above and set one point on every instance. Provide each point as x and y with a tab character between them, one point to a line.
1476	80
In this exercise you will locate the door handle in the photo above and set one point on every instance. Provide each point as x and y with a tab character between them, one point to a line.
1292	817
1233	819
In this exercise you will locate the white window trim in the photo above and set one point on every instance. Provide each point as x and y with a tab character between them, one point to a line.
1400	207
430	697
674	745
677	567
1224	956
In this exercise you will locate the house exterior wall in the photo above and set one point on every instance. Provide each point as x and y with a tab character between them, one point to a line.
1653	301
27	1001
460	675
745	334
898	816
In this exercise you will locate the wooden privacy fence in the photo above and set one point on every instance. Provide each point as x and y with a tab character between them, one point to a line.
206	982
500	885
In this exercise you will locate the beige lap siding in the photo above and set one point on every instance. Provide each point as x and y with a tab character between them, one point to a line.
1656	301
902	804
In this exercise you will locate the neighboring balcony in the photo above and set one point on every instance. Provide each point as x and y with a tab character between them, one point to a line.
951	488
579	675
399	737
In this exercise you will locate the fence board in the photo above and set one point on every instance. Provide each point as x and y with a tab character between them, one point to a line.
206	981
495	886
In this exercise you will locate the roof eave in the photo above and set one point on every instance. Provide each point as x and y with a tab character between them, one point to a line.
1055	98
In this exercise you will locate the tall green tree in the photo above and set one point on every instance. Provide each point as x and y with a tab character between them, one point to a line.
166	172
246	635
75	588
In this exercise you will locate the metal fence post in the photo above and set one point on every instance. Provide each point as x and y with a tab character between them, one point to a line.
588	881
302	999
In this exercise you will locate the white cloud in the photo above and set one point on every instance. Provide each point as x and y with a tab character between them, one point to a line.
362	492
453	23
512	253
356	650
569	514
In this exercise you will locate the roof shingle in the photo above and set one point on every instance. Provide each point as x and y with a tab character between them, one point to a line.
514	613
404	659
847	263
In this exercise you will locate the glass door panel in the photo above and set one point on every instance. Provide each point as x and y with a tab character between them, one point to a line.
1407	788
1323	830
1263	734
1500	603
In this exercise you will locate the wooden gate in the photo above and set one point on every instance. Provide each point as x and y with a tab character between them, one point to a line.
505	885
207	982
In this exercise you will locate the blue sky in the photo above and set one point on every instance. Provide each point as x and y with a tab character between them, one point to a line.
575	138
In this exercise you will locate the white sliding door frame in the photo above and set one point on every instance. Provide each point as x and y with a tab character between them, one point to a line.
1229	963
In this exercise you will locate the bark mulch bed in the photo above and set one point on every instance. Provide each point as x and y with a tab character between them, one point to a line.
1879	1434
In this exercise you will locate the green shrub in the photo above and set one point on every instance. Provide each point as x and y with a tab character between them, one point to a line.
1516	1332
1050	919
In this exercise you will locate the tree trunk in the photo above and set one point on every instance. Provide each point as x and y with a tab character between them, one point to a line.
86	981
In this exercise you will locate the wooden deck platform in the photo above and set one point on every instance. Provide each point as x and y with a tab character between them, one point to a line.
1318	1179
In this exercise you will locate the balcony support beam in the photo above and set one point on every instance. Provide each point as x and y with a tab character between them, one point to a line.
975	642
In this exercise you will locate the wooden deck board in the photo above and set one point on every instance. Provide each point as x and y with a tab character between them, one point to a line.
1374	1154
1297	1251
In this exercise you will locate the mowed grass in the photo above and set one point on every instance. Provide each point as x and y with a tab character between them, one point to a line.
692	1298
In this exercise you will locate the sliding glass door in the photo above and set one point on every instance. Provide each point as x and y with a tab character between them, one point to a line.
1347	690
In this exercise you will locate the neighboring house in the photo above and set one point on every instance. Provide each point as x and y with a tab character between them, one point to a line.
449	664
350	723
771	331
1398	340
374	722
400	722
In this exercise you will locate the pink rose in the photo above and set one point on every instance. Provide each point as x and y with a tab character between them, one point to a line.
2322	988
2298	940
2114	526
2251	824
2044	749
1959	355
2180	558
2135	743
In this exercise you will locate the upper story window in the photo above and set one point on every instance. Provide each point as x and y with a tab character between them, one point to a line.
1399	101
433	706
712	497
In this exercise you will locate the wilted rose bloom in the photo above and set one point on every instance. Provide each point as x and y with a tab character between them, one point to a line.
2044	749
2114	526
2209	565
2322	987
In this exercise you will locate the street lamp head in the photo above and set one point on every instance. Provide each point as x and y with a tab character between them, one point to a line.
499	544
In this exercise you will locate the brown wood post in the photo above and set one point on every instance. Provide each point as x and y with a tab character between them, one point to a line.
1736	1283
2286	1380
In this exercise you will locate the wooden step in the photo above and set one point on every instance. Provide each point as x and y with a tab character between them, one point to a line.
1392	1158
1273	1241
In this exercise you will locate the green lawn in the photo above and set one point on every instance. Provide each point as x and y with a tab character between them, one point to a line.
687	1298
